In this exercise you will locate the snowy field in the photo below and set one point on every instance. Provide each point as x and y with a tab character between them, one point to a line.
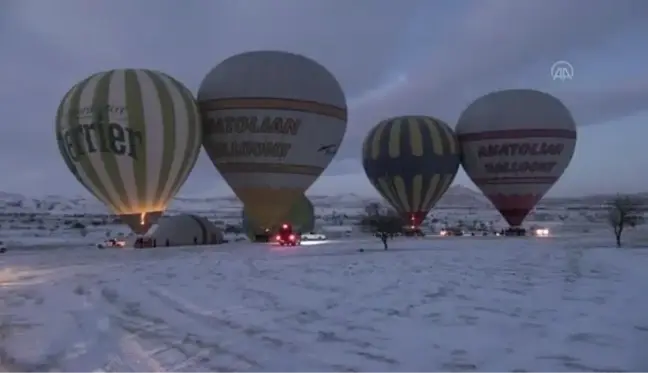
451	304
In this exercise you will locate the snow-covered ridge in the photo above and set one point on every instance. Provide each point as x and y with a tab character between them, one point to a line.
458	196
13	203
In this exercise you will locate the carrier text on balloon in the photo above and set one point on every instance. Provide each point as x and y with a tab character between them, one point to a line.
253	124
83	139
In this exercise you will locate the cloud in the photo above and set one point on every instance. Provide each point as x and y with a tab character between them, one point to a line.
615	101
493	45
392	58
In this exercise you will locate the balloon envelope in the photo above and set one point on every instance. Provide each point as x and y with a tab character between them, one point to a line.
131	138
411	161
516	144
301	216
272	123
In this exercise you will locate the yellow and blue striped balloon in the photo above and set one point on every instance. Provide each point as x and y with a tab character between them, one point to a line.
411	161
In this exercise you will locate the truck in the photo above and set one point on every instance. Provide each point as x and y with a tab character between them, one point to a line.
286	236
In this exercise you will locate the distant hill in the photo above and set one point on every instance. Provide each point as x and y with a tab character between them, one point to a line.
458	196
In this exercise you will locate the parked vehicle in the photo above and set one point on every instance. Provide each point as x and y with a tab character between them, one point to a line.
454	231
287	237
313	236
111	243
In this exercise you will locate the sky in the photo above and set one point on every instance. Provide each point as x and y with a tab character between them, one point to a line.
391	58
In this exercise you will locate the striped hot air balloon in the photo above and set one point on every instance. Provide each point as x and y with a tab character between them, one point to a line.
272	123
411	161
516	144
301	217
131	138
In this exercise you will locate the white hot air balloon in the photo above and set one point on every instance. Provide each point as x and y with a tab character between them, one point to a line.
130	137
516	144
272	123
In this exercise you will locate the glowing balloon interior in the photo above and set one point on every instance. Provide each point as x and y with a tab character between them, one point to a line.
272	123
301	216
131	138
516	144
411	161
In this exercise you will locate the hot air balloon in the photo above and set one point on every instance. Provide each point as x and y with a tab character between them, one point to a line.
130	137
301	217
516	144
272	122
411	161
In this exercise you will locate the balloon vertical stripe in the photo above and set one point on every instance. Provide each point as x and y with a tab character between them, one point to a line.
188	142
437	183
394	140
403	193
89	98
110	173
89	173
375	141
417	192
387	191
168	136
416	138
137	122
62	145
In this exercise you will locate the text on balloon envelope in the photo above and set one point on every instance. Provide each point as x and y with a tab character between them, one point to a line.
519	167
84	139
517	149
255	149
520	148
102	110
253	124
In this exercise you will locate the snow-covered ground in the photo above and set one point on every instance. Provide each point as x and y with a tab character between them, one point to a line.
45	222
451	304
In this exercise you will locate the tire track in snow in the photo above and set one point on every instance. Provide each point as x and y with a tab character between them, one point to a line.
253	345
104	335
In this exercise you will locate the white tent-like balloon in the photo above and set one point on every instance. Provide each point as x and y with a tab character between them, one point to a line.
184	230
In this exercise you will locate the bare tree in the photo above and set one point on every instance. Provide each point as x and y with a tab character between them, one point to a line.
383	222
374	209
625	211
